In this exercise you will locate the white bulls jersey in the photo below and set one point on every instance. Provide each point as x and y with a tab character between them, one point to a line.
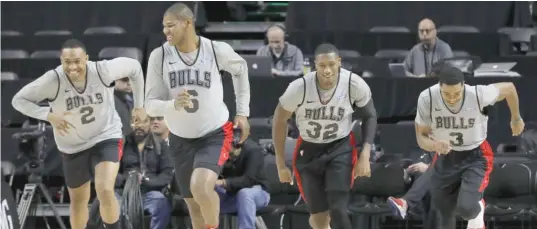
92	111
170	73
201	77
325	116
464	128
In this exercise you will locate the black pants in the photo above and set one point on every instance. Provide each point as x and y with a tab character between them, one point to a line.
419	197
458	181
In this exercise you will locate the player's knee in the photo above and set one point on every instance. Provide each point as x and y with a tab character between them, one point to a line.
105	193
467	210
202	181
320	220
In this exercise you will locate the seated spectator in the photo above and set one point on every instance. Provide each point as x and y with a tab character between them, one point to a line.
159	128
430	50
124	103
418	196
287	59
149	155
242	187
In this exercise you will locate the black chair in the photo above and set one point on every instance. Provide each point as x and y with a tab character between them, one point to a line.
508	195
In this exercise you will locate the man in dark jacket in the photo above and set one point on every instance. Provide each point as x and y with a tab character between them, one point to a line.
242	185
124	103
148	155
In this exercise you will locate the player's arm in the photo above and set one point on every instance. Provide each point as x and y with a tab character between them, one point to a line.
28	98
229	61
122	67
423	123
493	93
362	97
157	95
289	101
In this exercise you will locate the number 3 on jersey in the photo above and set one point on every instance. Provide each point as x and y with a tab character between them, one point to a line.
458	139
329	131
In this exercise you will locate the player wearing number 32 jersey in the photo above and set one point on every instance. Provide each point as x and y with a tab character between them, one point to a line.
452	121
325	159
87	128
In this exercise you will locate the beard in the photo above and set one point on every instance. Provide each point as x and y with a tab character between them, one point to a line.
140	135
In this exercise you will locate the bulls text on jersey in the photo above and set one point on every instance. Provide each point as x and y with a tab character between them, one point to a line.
324	113
189	76
74	102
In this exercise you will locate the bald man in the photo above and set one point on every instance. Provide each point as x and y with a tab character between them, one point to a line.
430	50
287	59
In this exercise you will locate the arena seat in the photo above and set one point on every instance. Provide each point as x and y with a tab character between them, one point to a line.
13	54
113	52
46	54
508	194
104	30
346	53
10	33
457	29
389	29
9	114
236	27
519	36
397	55
9	76
53	33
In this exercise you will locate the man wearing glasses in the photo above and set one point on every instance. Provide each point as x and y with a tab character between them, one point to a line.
430	50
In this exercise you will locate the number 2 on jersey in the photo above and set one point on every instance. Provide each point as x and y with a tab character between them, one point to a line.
195	103
329	131
86	113
458	139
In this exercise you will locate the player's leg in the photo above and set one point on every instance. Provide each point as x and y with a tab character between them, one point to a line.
339	180
475	179
77	173
211	154
107	158
309	175
183	158
445	184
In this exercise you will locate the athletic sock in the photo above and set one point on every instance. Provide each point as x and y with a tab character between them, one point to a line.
112	226
211	227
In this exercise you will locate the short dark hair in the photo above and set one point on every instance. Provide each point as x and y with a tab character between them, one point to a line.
449	75
73	43
181	11
325	49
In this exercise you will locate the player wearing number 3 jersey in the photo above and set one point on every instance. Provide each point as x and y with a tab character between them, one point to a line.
87	128
451	120
184	85
325	159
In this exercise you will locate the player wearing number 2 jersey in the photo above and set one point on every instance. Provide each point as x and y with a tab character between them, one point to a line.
184	85
325	159
87	128
452	121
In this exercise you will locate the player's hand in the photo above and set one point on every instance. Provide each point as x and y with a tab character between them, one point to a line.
362	169
59	123
284	174
517	126
275	72
242	123
418	167
442	147
138	115
183	100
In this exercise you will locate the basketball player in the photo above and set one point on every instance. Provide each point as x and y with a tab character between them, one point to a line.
325	161
184	86
87	128
452	121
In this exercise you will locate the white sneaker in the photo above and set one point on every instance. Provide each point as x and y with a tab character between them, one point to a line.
478	222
